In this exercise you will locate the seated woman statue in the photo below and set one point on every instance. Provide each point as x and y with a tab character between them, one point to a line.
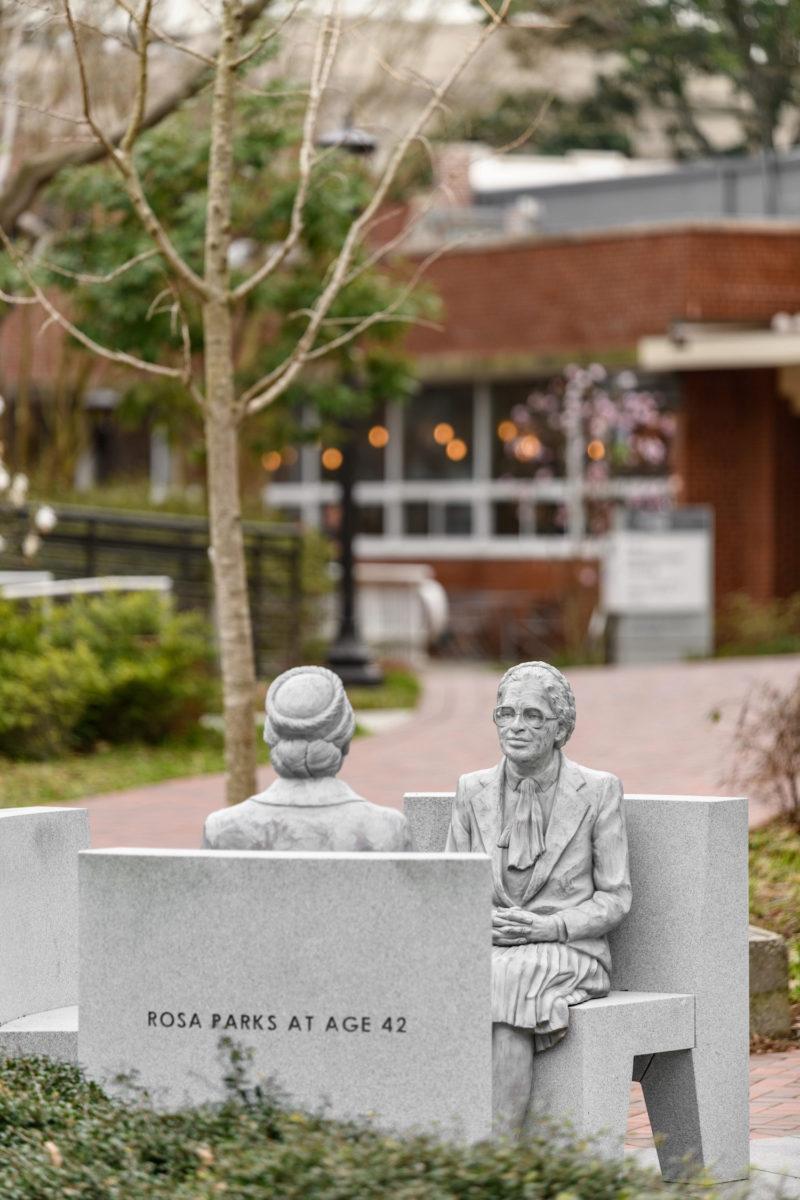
555	832
308	728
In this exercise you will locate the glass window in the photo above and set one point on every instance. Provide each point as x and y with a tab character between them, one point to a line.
437	440
370	436
369	519
527	440
513	518
457	519
416	518
506	518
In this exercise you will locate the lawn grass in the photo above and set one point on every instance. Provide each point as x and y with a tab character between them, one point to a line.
400	689
116	768
110	769
775	887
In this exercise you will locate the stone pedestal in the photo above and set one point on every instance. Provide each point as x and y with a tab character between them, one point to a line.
770	1015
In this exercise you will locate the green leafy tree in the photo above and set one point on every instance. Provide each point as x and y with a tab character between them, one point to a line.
659	53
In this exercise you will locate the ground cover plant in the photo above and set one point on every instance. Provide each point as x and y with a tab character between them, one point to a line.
746	626
62	1137
775	891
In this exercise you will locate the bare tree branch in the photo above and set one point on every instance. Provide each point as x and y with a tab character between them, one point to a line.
34	174
40	297
140	98
268	37
161	35
324	57
82	277
122	159
283	375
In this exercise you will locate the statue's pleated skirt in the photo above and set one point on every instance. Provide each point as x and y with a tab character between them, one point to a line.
534	985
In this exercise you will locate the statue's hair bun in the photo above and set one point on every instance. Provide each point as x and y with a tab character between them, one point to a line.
309	723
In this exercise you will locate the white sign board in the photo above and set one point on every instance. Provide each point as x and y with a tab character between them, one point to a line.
657	571
357	981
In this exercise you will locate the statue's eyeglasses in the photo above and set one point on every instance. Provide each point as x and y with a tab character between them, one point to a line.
505	715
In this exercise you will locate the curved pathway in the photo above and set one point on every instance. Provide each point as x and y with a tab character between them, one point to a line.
651	725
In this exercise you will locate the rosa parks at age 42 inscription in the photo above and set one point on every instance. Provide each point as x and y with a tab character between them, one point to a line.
274	1022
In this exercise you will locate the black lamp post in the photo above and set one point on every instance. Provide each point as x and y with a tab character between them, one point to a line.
348	655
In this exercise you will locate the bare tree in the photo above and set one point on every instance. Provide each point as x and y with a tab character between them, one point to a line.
214	388
767	747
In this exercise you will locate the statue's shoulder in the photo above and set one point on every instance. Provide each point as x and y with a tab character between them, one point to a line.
598	782
475	781
221	824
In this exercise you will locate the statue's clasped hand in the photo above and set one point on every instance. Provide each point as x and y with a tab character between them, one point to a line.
516	926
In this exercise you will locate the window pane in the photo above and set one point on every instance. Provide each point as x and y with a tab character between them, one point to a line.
506	518
527	440
369	518
457	519
416	518
438	434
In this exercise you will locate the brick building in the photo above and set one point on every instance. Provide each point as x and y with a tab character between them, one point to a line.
692	305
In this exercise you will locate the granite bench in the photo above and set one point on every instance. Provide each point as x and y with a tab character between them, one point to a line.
39	932
677	1017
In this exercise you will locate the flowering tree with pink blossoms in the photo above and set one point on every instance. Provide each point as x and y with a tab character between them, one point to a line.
591	427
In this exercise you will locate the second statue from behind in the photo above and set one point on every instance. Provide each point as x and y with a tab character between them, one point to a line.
308	728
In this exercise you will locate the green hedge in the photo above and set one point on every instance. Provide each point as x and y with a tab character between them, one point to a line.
120	668
62	1137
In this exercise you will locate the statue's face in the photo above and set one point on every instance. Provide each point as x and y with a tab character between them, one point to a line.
527	735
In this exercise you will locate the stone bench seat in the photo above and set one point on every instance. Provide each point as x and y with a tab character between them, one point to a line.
677	1018
613	1039
53	1033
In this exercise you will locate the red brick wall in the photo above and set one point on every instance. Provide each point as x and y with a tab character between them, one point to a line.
605	291
740	453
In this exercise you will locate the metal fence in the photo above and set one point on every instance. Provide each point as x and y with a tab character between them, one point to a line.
87	543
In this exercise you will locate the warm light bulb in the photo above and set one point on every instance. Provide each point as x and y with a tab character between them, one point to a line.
331	459
378	436
527	448
507	431
456	450
443	433
272	460
596	450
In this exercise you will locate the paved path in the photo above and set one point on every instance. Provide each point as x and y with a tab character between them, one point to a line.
774	1100
648	724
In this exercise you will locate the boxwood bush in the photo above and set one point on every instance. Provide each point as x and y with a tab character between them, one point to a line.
116	668
63	1137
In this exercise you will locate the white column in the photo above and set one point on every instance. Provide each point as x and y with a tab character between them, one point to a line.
393	468
482	433
160	464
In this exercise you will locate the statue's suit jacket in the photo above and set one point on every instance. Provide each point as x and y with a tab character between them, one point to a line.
583	875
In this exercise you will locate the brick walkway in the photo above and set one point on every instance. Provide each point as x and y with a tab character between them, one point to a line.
774	1100
648	724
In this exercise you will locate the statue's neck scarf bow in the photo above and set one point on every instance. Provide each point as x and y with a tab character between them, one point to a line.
523	834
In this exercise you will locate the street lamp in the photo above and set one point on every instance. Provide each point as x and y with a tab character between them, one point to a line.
348	655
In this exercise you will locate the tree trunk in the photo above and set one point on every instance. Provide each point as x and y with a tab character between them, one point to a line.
228	560
222	435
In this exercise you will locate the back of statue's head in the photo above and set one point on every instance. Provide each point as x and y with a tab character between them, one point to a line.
309	723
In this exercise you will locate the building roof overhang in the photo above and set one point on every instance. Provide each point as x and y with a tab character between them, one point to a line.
708	347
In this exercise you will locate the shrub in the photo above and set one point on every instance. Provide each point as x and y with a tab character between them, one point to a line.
747	626
767	747
117	668
61	1136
